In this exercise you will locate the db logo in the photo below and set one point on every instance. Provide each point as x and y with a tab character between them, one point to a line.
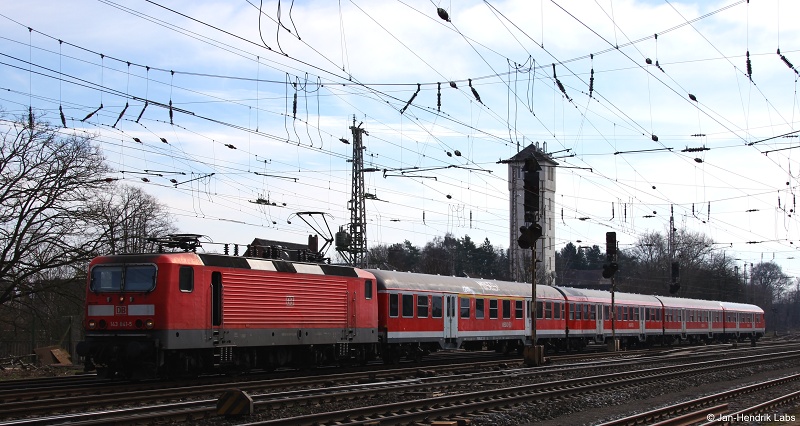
289	300
121	310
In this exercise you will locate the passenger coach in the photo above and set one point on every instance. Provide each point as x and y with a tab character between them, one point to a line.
421	313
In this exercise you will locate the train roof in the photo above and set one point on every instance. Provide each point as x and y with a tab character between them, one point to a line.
587	295
741	307
227	261
680	302
394	280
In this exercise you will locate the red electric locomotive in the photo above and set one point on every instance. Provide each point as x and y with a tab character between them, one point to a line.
175	313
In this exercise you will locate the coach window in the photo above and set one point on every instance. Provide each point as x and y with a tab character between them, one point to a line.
571	308
578	309
393	305
422	306
186	279
408	305
518	309
479	306
539	310
493	308
658	315
586	311
368	289
592	312
436	306
506	309
464	307
548	310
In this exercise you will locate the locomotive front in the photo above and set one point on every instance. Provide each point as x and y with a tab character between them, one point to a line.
122	317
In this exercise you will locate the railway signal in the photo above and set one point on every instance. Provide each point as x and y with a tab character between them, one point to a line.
530	184
528	236
611	268
676	278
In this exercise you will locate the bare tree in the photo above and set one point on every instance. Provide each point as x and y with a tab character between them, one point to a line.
127	218
46	178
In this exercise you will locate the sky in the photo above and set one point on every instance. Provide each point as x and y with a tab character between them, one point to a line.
660	112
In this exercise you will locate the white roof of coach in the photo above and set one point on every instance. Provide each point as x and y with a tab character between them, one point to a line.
586	295
680	302
394	280
741	307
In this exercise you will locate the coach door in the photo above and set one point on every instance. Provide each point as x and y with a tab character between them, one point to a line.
599	319
450	316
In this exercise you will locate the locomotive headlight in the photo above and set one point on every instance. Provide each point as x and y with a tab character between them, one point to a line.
92	324
149	324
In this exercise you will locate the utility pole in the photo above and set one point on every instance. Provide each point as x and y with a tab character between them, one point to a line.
352	245
529	235
609	269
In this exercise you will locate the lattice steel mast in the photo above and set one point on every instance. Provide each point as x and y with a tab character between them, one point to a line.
354	251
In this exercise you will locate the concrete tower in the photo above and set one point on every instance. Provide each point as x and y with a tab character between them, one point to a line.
519	259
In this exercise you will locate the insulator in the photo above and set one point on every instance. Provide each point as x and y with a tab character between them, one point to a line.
63	120
170	111
84	118
786	61
648	61
120	115
410	100
692	97
226	249
654	138
453	85
443	14
591	82
141	113
438	96
749	66
474	92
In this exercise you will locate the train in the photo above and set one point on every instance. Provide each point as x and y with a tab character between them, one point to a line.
187	313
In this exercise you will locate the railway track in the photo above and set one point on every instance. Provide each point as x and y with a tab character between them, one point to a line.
713	407
420	398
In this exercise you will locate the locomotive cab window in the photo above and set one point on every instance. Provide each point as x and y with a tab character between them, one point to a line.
368	289
408	305
186	279
140	278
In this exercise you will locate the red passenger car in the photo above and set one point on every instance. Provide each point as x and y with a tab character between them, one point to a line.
424	313
743	321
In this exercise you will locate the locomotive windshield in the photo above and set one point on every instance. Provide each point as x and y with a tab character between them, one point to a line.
123	278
